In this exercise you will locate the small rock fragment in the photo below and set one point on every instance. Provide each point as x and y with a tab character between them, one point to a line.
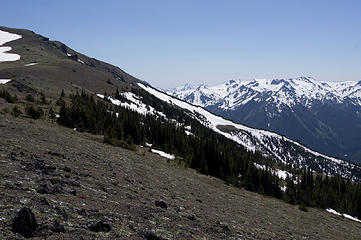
180	209
58	228
161	204
67	169
100	227
152	236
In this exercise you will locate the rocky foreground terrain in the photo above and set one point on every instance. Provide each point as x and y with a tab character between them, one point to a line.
77	187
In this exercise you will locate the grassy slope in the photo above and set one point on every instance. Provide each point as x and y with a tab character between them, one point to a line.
55	70
121	186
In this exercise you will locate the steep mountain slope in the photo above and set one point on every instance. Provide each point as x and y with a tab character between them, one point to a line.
73	179
324	116
86	181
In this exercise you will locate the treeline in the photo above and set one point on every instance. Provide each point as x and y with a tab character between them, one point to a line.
325	192
206	151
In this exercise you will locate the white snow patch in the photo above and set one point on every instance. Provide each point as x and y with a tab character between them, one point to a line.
259	166
278	172
330	210
7	37
81	61
282	174
188	133
163	154
135	104
352	218
8	57
148	144
4	81
100	95
4	38
30	64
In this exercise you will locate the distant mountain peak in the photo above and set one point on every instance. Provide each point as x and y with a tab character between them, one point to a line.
232	81
187	86
301	105
202	86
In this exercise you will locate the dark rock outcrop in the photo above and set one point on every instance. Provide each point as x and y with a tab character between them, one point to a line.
25	223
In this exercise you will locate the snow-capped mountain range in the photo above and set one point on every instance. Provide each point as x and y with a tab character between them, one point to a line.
325	116
281	92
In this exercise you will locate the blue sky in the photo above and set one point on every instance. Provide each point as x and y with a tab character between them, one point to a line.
169	43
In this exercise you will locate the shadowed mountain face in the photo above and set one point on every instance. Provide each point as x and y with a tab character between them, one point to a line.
325	116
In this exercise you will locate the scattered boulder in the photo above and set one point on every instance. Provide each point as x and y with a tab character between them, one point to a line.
61	212
25	223
83	212
58	228
180	209
35	164
221	228
152	236
56	154
46	188
44	201
72	192
191	217
161	204
100	227
45	230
